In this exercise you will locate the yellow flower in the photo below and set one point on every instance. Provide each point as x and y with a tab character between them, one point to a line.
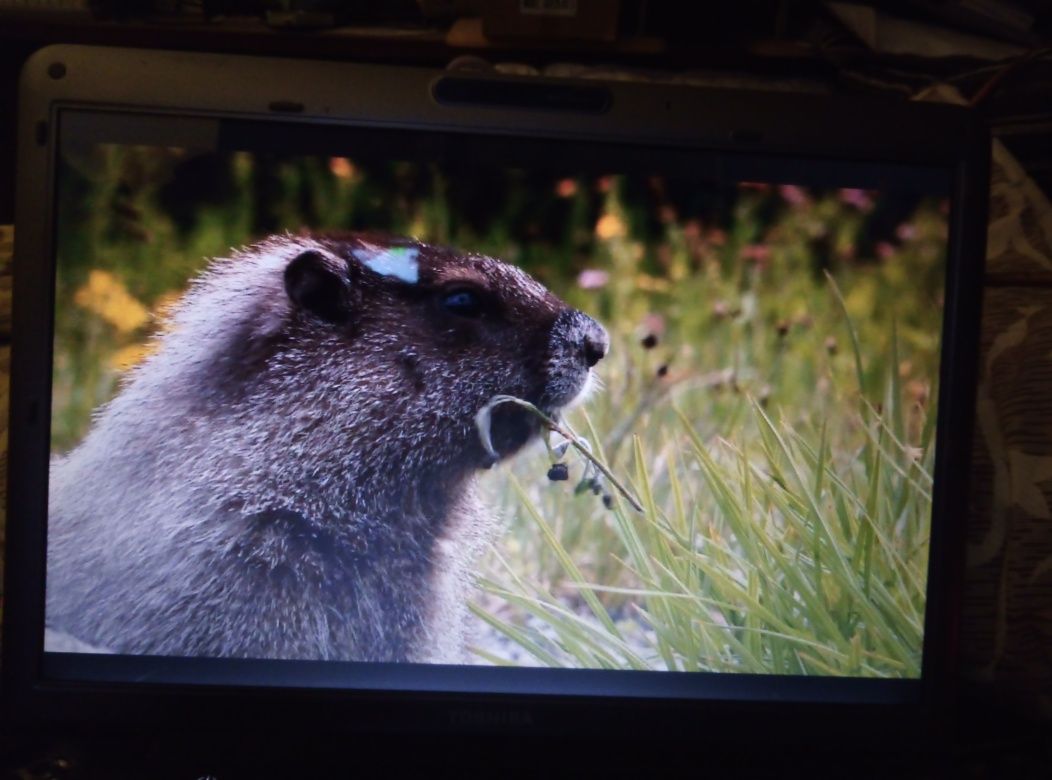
130	356
106	296
651	283
342	167
610	226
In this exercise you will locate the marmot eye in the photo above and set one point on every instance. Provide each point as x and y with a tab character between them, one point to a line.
463	303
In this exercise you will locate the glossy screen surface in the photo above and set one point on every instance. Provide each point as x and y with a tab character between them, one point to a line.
433	399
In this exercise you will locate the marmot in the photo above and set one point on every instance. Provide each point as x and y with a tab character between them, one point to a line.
291	473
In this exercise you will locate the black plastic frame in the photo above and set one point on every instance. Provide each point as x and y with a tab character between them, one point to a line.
334	95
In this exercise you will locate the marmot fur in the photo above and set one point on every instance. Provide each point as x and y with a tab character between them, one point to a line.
291	473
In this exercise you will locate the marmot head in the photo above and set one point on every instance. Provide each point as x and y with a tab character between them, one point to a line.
401	343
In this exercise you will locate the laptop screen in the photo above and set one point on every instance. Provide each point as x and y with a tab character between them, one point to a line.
361	407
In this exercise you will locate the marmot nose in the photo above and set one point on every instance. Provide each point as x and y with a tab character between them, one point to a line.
576	336
595	342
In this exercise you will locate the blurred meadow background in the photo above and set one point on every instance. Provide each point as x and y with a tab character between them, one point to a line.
768	398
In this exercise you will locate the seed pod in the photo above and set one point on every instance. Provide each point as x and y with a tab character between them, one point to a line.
559	472
587	479
608	501
597	486
558	444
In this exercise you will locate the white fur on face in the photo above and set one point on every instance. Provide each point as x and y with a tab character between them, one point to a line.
593	384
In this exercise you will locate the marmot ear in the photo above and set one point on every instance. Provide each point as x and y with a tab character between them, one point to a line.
318	283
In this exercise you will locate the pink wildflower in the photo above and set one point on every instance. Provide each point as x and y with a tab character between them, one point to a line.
592	279
860	199
793	195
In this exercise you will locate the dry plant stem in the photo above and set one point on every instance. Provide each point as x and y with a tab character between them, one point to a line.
481	421
651	395
656	390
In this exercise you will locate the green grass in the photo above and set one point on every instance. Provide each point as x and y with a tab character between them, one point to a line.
765	555
776	537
